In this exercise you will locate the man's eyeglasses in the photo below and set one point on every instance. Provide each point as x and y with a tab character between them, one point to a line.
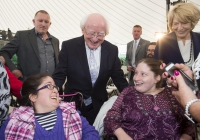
93	34
150	50
49	86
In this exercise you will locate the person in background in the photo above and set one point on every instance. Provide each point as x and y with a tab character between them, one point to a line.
15	83
181	45
147	111
36	49
151	49
9	34
89	64
4	93
136	50
42	116
3	35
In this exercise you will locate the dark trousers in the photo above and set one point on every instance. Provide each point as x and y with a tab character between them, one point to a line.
131	83
88	113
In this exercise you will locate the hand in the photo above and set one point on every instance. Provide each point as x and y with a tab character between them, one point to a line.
185	137
185	69
2	60
129	68
17	73
184	93
121	134
133	69
170	81
165	75
127	137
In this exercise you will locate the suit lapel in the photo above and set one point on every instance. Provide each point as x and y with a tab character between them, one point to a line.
130	50
173	44
103	62
33	41
196	42
82	56
55	49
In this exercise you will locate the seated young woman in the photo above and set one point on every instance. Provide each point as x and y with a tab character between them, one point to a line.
42	116
147	111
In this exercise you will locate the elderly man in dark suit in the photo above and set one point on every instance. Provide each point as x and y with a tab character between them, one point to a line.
88	62
136	50
37	50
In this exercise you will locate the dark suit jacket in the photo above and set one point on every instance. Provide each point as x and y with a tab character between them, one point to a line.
73	64
167	49
24	44
141	52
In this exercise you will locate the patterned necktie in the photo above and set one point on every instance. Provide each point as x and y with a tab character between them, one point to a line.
93	67
133	52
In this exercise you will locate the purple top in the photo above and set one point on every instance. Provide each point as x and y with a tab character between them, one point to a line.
144	116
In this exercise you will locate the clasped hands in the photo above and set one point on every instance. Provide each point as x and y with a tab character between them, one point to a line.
130	68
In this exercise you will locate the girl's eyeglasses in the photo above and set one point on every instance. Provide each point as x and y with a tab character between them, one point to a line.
49	86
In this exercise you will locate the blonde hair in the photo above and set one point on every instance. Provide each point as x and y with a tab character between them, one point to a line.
184	13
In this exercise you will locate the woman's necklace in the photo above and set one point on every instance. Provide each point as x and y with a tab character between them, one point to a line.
191	46
153	102
156	108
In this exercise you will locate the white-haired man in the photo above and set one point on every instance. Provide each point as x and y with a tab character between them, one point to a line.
88	62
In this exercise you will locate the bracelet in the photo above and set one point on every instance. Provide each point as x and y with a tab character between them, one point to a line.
187	109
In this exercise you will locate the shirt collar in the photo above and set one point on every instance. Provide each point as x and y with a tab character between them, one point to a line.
37	33
138	40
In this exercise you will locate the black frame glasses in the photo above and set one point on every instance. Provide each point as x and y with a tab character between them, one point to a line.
49	86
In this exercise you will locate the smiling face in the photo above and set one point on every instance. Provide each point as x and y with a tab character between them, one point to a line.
144	79
137	31
94	31
42	22
182	30
46	99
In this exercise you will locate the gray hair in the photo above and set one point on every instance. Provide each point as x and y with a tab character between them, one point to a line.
85	18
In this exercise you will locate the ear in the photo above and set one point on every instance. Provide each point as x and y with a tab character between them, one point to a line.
158	78
33	21
82	31
33	97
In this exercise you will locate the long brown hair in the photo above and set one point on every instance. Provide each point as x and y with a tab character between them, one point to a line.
154	66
